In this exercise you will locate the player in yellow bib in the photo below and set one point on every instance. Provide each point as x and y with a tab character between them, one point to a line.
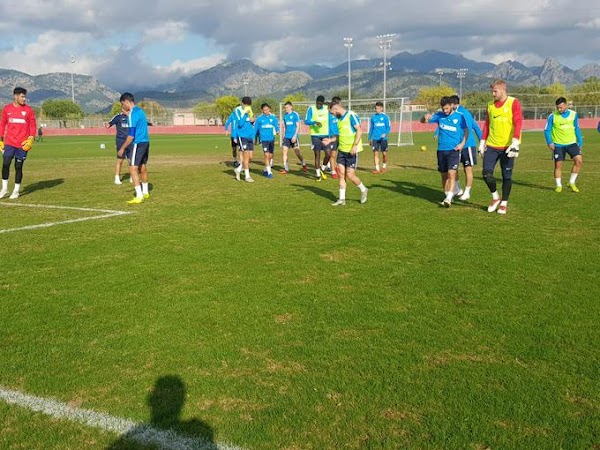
500	143
563	136
349	146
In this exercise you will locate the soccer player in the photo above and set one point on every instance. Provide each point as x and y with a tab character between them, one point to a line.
40	134
231	124
120	122
266	127
245	134
17	131
291	126
138	157
453	134
468	156
334	132
349	146
500	143
317	118
563	136
379	129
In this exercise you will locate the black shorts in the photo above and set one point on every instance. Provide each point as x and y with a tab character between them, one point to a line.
347	160
380	145
448	160
246	145
287	142
468	156
316	144
268	146
572	150
127	152
139	154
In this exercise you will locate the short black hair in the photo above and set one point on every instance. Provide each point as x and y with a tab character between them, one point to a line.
560	100
379	104
455	99
445	101
336	99
246	101
288	103
264	104
19	91
127	96
320	99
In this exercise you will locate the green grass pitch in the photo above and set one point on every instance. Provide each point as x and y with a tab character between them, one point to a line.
293	325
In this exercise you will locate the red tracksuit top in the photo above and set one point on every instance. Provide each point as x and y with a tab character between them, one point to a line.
17	124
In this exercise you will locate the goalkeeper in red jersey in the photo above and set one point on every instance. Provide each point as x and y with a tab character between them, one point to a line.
17	131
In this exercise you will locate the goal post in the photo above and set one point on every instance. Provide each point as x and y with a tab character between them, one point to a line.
398	110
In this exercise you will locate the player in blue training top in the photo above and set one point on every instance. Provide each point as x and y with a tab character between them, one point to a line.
266	127
291	126
563	137
231	129
379	130
119	121
245	134
138	157
453	134
330	159
468	156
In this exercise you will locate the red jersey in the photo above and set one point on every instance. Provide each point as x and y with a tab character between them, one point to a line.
17	124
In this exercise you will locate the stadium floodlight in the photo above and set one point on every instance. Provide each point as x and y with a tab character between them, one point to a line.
385	44
440	72
72	79
348	45
461	74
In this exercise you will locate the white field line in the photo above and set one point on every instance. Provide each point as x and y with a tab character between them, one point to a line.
106	213
141	433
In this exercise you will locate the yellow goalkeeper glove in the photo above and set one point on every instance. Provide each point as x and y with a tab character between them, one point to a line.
2	146
27	144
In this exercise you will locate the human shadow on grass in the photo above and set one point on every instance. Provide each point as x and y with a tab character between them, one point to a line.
39	185
166	429
317	191
413	190
407	166
533	186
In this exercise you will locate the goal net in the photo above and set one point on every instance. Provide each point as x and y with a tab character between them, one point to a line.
398	110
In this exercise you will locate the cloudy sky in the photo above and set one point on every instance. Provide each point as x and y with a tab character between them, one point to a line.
144	42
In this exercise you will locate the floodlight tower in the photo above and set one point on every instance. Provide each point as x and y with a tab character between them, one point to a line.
461	74
440	72
72	79
348	44
385	43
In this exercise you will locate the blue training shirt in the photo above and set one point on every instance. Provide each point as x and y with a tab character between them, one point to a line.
334	129
451	129
121	122
474	129
232	125
265	126
138	125
244	127
291	122
550	123
379	127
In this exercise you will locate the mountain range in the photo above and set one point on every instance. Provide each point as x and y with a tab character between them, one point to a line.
407	74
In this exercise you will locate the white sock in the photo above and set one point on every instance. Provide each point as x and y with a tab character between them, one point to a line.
384	165
467	190
268	169
117	178
449	195
495	196
5	185
504	203
286	167
247	173
144	188
303	163
318	172
239	169
377	167
329	165
17	187
271	163
362	187
138	192
558	182
573	178
342	194
323	168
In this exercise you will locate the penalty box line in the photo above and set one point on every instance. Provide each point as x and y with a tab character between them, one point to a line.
106	213
139	432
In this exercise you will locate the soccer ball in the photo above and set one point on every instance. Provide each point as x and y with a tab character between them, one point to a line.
423	148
